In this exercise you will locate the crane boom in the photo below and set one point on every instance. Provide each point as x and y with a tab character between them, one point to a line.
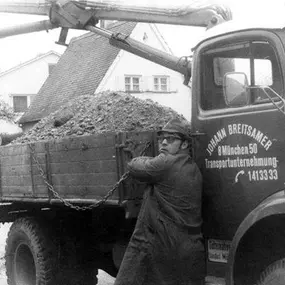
38	7
119	40
195	13
26	28
85	14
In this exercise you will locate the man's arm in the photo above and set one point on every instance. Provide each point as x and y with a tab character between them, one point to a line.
149	169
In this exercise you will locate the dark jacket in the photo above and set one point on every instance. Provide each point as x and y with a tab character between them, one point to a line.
166	246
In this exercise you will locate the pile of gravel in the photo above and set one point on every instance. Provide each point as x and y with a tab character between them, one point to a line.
100	113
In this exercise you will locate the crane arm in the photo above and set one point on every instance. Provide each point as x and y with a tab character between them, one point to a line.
76	13
39	7
124	42
27	28
85	14
195	13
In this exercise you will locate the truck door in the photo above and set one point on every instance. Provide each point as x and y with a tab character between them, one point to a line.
241	154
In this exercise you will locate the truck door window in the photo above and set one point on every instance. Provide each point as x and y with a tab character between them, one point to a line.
256	59
262	69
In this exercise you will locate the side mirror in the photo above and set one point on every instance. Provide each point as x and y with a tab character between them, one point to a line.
236	91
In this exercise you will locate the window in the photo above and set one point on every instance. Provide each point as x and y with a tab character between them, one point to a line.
20	104
161	83
256	59
262	69
132	83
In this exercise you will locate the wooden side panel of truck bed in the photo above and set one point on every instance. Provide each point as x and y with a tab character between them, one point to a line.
78	168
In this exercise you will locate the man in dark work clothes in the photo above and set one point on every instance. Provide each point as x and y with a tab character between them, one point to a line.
167	247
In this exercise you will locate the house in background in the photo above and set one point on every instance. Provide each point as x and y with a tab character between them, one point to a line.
145	79
20	84
91	65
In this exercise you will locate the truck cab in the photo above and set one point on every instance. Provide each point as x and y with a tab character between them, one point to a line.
238	115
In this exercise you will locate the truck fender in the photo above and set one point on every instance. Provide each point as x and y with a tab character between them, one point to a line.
273	205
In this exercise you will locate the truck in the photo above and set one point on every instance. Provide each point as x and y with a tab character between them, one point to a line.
63	233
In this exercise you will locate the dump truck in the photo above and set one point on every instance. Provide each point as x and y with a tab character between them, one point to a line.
73	208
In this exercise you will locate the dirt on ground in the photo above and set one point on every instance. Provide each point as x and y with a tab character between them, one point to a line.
100	113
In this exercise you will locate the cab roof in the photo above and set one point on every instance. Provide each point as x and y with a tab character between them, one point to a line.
238	25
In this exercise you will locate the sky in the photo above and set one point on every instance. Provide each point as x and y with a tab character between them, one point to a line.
17	49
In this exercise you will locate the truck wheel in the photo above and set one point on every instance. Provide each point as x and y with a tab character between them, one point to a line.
274	274
30	254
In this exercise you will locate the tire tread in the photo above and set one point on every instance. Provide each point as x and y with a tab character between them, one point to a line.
43	249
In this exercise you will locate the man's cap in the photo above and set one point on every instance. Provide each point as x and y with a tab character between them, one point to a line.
177	126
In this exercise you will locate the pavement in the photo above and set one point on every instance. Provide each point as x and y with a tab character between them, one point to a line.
4	228
103	278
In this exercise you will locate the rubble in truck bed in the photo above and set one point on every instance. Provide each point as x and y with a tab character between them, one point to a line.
100	113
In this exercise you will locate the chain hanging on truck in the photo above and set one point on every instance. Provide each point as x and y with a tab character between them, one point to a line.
71	205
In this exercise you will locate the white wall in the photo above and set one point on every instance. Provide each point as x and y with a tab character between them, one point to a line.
26	79
128	64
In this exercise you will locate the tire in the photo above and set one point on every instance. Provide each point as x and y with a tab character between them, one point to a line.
274	274
30	254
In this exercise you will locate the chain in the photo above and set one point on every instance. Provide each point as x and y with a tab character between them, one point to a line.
76	207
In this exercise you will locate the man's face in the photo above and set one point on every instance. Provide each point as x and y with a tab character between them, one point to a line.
169	143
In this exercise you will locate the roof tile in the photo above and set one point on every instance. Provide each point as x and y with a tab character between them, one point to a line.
79	71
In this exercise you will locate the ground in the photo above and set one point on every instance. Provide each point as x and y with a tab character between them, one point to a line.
104	278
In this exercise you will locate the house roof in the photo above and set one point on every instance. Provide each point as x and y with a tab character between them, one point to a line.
19	66
79	71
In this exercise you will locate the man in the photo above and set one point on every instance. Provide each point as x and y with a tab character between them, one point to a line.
166	247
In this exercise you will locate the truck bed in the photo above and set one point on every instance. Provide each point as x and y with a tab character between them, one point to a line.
80	169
